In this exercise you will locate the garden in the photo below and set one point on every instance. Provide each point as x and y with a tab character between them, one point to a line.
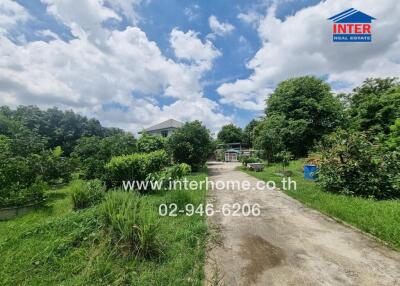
83	228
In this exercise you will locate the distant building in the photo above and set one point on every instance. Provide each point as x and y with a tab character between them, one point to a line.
164	129
231	152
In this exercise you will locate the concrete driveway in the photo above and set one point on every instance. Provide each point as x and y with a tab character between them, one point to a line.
288	244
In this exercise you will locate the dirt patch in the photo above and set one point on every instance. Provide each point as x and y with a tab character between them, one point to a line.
261	255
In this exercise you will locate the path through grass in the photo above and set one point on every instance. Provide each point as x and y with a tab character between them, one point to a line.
379	218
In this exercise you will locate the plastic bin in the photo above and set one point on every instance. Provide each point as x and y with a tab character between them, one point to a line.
310	172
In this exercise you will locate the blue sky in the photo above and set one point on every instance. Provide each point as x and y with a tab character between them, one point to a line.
133	63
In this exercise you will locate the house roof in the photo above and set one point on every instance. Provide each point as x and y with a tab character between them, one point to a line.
352	16
170	123
232	151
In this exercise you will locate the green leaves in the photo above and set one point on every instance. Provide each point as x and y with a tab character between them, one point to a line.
135	166
191	144
299	112
230	134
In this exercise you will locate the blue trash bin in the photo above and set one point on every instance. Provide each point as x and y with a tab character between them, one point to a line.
310	172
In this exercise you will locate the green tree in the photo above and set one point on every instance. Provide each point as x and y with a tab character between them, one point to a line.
93	153
269	136
309	109
249	132
393	140
230	134
148	143
375	106
191	144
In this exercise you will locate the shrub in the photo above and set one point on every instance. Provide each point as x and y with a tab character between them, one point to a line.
19	195
131	222
135	167
174	172
350	164
86	194
191	144
284	157
247	159
148	143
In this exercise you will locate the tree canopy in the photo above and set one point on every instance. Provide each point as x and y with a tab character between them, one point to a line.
191	144
307	110
230	134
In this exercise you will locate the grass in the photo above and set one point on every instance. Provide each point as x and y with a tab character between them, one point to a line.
55	245
379	218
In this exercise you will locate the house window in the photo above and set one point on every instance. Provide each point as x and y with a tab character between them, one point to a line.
164	133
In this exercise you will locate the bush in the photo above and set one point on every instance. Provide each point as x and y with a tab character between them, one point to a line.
191	144
350	164
18	195
284	157
131	222
86	194
172	173
148	143
247	159
134	167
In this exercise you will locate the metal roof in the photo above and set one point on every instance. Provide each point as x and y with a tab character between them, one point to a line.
170	123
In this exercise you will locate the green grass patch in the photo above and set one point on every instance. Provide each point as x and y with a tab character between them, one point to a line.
55	245
379	218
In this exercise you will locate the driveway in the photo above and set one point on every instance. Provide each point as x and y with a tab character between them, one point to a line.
288	244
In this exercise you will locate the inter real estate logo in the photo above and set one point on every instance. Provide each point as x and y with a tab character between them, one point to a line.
352	26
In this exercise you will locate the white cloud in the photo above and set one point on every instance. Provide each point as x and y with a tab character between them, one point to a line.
252	18
219	28
189	46
11	13
102	66
301	44
126	8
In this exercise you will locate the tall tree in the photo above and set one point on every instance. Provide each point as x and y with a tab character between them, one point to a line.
375	106
230	134
309	109
248	132
191	144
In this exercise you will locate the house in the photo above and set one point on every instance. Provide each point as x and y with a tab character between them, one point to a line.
232	155
230	152
164	129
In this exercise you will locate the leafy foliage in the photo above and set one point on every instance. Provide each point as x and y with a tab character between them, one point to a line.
393	140
135	167
148	143
20	195
249	133
247	159
269	136
353	165
305	110
191	144
230	134
375	106
93	153
172	173
284	157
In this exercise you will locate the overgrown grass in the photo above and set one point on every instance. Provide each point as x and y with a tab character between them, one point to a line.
379	218
55	245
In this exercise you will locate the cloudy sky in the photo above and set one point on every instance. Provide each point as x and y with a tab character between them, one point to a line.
133	63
